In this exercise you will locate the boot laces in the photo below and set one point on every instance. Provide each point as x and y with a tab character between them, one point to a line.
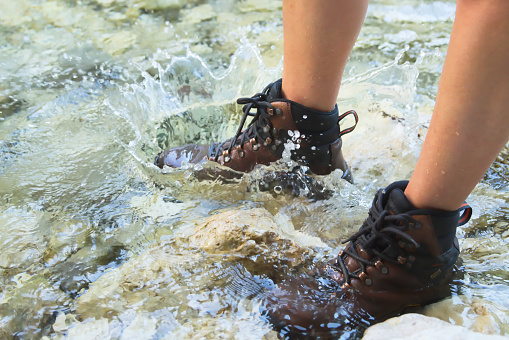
379	231
259	128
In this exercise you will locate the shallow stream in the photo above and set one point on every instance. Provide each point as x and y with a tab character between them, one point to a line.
92	90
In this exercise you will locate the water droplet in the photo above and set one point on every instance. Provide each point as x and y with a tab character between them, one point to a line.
313	148
305	117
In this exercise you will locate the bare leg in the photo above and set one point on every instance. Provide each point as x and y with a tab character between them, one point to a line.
318	38
470	123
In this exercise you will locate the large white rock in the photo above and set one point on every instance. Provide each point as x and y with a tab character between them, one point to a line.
474	313
419	327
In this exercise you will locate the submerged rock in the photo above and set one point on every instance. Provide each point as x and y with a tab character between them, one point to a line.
198	14
141	326
498	174
29	310
417	326
250	232
259	5
210	290
23	238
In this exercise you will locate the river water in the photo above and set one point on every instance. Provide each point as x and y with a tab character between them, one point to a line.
92	90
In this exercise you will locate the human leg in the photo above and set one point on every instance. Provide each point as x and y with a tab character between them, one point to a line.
318	38
404	253
303	103
470	123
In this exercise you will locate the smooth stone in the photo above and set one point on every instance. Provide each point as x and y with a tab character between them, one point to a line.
135	283
240	233
417	326
198	14
476	314
250	232
23	237
33	302
161	279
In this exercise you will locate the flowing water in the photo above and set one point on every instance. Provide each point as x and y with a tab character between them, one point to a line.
93	235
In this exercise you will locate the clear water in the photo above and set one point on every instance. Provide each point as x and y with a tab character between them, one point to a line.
93	237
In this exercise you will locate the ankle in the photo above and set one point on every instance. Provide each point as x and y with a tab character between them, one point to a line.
424	197
316	101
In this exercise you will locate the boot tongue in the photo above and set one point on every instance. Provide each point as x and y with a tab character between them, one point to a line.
275	90
397	203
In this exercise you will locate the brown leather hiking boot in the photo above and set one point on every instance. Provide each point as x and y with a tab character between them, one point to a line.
316	137
401	257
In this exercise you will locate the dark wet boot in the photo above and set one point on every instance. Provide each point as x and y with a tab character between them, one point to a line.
315	135
401	257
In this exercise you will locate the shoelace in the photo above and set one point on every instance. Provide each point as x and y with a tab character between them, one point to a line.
260	128
259	125
380	225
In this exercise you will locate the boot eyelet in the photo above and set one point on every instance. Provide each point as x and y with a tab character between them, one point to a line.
367	281
365	278
401	259
274	148
274	132
256	147
279	112
270	111
268	141
381	267
226	156
411	258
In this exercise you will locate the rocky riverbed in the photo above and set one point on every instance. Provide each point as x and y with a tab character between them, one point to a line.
98	243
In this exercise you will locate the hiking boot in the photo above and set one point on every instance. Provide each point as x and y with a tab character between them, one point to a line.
315	135
401	257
